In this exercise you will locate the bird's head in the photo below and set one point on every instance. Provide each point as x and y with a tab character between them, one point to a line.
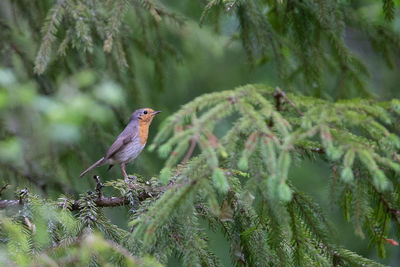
144	115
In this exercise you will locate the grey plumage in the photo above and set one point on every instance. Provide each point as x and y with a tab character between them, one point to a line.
97	163
125	148
117	153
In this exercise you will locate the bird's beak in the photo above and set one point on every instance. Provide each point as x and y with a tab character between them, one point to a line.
155	112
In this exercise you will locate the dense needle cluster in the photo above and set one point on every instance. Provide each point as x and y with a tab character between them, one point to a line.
238	182
228	154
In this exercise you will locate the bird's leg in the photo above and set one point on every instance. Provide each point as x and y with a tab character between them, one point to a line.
128	180
126	176
123	171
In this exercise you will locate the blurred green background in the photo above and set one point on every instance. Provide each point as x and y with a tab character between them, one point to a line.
56	124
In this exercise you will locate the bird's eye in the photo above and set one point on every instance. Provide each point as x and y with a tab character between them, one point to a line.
145	112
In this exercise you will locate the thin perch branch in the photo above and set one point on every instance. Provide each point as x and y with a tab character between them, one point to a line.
100	200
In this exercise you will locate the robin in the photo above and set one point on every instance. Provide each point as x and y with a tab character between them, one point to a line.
129	143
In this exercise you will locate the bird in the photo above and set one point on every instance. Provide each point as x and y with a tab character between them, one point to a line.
130	143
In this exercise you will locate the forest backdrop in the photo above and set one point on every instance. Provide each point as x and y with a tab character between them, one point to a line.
72	72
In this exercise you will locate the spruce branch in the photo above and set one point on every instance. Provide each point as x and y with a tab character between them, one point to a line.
114	24
99	200
329	129
53	21
395	213
75	204
207	9
189	153
304	27
310	221
388	9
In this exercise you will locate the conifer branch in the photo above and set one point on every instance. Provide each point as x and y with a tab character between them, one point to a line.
388	9
43	56
309	221
99	200
395	213
295	237
252	135
75	204
115	21
189	153
246	139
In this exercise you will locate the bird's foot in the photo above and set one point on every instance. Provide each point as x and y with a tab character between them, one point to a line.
133	177
130	180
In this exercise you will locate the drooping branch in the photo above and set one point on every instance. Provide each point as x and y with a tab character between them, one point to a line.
43	56
393	211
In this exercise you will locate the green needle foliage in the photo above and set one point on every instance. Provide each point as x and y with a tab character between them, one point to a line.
71	34
48	234
237	182
267	131
86	19
228	154
306	39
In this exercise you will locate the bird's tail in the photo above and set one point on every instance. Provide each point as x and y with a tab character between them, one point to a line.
91	167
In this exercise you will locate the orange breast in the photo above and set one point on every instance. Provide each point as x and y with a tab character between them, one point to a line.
143	131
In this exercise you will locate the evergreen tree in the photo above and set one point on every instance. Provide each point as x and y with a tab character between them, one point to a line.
228	154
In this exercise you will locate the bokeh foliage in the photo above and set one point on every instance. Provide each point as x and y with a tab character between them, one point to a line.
72	71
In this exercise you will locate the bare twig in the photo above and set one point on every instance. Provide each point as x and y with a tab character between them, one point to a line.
190	151
231	5
99	186
318	150
101	202
279	94
3	188
76	204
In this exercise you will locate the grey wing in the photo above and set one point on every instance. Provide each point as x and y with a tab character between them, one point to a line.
127	135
